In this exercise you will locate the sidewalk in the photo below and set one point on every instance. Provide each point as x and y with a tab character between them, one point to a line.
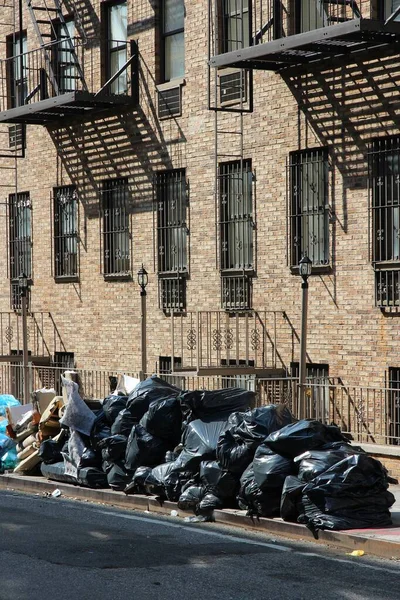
379	542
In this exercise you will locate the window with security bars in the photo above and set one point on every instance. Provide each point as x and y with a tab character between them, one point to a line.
65	215
19	241
309	206
116	230
64	62
384	169
172	238
393	406
236	229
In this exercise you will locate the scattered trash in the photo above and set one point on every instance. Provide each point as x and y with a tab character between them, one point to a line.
356	553
174	513
56	493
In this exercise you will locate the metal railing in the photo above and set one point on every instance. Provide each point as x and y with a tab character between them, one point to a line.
47	72
370	415
224	339
43	336
246	22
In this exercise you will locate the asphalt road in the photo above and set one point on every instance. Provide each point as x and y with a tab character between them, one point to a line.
56	549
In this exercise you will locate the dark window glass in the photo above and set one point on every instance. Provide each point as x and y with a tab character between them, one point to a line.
389	8
20	241
172	233
236	25
65	206
117	49
18	72
393	406
309	218
173	43
116	234
65	67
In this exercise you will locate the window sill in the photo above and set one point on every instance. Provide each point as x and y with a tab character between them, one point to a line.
387	265
170	85
110	277
316	270
67	279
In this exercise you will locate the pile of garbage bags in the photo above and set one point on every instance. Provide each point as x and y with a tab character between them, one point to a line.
208	450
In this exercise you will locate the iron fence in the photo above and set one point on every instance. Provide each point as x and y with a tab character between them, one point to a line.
369	415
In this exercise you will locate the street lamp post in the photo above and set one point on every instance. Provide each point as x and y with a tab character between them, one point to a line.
23	284
305	268
143	281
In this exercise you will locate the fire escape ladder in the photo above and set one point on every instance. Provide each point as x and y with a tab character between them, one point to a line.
43	19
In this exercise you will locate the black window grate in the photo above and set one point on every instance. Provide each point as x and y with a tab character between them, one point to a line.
235	25
387	288
236	292
116	230
65	207
384	170
20	241
169	103
172	237
233	87
236	224
17	136
309	206
393	406
173	294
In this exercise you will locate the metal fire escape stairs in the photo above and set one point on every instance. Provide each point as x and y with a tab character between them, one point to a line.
44	18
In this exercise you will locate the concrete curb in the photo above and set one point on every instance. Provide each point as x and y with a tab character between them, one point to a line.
234	518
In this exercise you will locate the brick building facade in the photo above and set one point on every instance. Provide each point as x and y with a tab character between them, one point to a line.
219	205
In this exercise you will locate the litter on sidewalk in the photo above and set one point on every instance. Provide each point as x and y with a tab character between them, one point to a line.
206	450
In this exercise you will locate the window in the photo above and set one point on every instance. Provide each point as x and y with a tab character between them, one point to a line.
65	71
172	233
236	25
20	243
385	188
309	207
116	46
389	6
165	364
17	48
116	231
65	211
236	228
312	14
393	406
173	44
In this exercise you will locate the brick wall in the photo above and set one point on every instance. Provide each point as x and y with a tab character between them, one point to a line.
343	108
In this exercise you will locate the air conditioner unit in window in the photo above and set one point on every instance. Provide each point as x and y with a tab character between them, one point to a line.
232	87
169	102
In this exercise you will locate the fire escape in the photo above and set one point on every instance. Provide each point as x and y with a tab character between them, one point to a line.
57	80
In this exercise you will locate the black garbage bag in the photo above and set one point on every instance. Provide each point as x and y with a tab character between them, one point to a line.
56	472
314	462
155	481
175	482
100	430
164	420
291	499
113	448
259	423
143	449
50	452
171	456
90	458
270	469
257	502
152	389
232	453
209	503
117	476
92	478
352	494
200	404
112	406
219	483
123	423
137	485
191	497
199	443
296	438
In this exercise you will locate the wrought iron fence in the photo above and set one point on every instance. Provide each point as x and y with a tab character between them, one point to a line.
370	415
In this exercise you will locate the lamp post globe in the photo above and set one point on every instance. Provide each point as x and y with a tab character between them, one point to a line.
143	279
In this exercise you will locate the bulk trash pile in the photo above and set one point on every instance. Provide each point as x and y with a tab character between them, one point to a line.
210	450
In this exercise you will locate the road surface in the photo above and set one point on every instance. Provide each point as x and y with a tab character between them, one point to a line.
57	549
